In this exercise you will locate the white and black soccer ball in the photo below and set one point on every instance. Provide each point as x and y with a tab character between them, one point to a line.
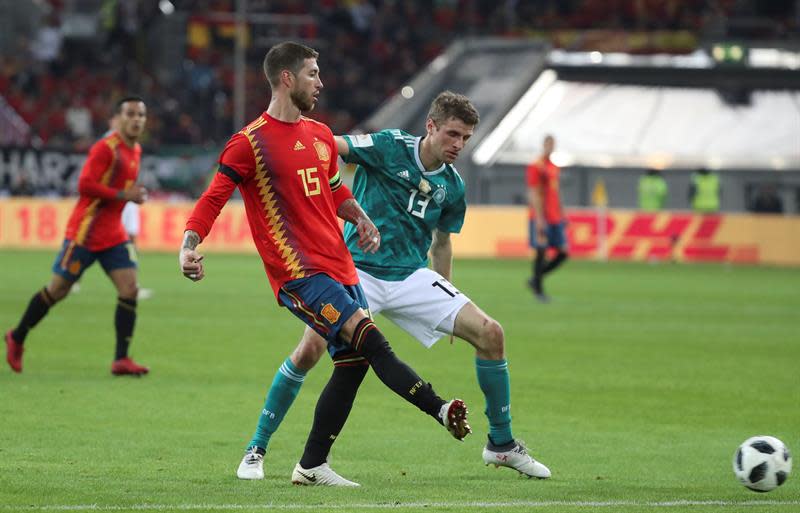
762	463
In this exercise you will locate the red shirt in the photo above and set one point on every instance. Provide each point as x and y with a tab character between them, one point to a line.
96	221
545	175
289	180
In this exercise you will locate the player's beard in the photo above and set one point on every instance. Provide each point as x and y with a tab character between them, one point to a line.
304	102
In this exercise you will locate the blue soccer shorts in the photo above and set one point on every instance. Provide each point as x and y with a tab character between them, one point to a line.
324	305
556	236
74	259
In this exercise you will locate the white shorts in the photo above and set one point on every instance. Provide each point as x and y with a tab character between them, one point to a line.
131	218
425	304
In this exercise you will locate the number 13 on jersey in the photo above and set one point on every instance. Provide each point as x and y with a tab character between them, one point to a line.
422	203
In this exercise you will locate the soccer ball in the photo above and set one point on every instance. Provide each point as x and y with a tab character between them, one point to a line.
762	463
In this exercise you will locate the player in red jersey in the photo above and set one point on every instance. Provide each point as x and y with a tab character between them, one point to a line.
546	217
95	232
285	166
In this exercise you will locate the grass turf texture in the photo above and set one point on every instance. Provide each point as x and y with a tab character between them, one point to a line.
635	386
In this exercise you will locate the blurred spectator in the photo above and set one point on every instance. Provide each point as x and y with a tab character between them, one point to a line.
767	200
653	191
46	46
79	118
704	191
379	46
22	186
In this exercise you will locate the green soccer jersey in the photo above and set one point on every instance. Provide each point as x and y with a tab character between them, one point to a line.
405	202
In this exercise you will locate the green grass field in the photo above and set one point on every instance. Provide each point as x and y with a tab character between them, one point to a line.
635	386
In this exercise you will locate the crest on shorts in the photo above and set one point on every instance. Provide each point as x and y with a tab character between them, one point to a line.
330	313
323	152
74	267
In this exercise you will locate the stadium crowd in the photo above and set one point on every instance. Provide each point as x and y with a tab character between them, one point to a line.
62	88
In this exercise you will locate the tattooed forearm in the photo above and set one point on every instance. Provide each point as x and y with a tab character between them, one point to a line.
350	211
190	240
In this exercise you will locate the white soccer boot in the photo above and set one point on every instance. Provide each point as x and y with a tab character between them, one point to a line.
454	417
322	475
516	457
252	465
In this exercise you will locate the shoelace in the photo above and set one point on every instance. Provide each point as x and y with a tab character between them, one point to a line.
520	448
252	457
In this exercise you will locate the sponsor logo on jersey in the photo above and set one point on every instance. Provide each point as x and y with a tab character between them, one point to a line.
404	174
323	152
330	313
299	146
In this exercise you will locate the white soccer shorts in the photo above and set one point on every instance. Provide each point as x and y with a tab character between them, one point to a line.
425	304
131	218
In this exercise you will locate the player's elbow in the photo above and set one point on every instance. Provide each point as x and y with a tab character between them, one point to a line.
84	187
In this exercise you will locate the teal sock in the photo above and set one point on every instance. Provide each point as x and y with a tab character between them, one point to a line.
495	384
280	397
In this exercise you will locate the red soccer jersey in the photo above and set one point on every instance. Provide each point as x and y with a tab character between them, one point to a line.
96	221
545	175
288	176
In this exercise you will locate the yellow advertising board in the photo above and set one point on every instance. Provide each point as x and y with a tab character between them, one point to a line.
490	232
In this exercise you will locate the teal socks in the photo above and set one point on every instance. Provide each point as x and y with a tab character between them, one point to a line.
495	384
280	397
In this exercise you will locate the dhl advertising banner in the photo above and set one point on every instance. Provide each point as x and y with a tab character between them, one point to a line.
490	232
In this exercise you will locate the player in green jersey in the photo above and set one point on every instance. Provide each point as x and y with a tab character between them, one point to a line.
414	195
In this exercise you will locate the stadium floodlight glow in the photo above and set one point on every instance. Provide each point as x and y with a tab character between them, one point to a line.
491	145
596	57
439	63
407	92
778	163
562	158
166	7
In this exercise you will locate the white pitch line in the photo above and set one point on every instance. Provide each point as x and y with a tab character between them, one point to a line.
393	505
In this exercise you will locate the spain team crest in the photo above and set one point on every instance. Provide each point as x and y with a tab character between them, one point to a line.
330	313
323	152
74	267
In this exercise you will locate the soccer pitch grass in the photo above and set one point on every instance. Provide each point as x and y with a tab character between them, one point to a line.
635	386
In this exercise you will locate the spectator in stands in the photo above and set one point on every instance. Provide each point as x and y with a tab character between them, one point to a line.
22	186
79	118
767	200
705	191
46	45
653	191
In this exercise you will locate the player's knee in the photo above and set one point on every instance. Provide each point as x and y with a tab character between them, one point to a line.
59	291
308	352
129	291
493	339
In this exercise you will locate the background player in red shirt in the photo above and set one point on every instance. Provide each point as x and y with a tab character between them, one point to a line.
546	217
285	166
95	232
